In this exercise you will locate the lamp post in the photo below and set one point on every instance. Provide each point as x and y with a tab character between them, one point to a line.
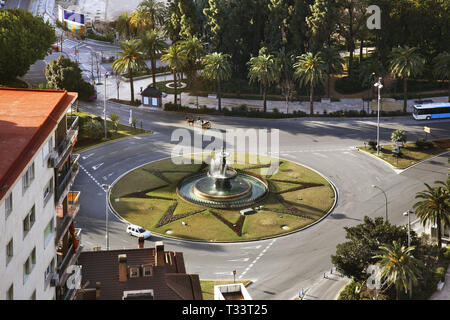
104	104
379	86
386	202
368	91
106	188
408	214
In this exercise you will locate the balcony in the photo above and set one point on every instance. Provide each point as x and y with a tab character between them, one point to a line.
64	219
68	254
63	184
64	148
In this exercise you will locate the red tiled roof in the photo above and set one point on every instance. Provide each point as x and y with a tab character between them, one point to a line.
169	282
27	117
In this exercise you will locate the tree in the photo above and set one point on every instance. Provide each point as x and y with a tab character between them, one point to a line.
434	209
263	69
148	15
176	60
310	70
441	68
118	80
405	63
124	26
285	62
130	60
216	66
24	39
65	74
398	136
193	49
322	23
153	44
114	120
398	266
275	30
181	19
354	256
333	61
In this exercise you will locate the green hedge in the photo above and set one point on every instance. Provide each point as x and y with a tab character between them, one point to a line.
349	85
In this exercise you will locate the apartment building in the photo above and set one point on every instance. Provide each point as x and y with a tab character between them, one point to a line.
38	239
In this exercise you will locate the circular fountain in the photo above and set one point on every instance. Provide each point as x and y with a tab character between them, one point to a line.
222	186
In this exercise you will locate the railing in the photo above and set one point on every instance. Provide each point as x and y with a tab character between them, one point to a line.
64	185
69	255
63	222
64	147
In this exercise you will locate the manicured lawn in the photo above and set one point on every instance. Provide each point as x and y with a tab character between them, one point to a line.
123	131
147	197
410	153
208	286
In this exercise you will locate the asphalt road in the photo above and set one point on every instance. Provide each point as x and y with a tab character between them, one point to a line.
278	267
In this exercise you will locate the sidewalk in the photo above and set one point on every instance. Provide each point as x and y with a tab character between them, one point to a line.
444	294
327	288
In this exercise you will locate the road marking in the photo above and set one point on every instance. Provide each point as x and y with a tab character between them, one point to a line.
225	273
254	247
243	259
256	259
85	157
138	138
320	155
97	166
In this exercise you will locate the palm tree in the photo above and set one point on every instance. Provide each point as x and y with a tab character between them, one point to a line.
217	66
398	266
148	15
193	50
176	60
310	70
130	60
405	63
123	26
333	61
441	69
153	44
434	208
285	62
265	70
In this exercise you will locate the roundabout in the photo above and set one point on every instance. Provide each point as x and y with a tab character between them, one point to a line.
204	199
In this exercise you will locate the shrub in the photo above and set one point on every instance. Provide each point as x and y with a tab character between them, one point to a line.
351	291
398	136
93	130
372	144
422	144
115	120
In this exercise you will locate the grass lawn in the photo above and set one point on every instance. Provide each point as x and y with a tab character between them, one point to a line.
410	153
147	197
208	286
123	131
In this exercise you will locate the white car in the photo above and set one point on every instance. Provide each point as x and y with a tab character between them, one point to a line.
137	231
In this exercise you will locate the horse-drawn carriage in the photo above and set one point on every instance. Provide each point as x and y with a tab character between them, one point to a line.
204	124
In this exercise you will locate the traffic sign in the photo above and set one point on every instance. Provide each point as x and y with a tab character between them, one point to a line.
427	129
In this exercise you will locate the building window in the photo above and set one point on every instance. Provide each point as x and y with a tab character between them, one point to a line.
8	204
48	190
9	251
48	232
28	177
134	272
47	149
10	293
50	270
28	266
28	221
147	271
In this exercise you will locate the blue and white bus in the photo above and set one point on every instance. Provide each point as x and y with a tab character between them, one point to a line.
431	111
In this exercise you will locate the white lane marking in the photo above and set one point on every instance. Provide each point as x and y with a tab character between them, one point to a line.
254	247
225	273
85	157
90	176
243	259
97	166
138	138
350	153
319	155
256	259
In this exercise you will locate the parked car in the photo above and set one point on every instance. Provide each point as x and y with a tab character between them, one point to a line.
137	231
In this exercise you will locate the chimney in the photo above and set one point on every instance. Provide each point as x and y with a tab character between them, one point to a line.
141	241
159	253
97	290
122	267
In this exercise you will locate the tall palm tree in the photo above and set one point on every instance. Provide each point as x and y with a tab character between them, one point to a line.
153	44
193	49
148	15
265	70
333	61
441	68
310	70
176	60
130	60
217	66
124	26
398	266
406	63
434	208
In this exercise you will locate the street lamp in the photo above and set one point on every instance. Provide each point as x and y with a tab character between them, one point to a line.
408	214
104	104
379	86
368	91
385	197
106	188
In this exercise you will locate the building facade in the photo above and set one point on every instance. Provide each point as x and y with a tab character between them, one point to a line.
38	240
